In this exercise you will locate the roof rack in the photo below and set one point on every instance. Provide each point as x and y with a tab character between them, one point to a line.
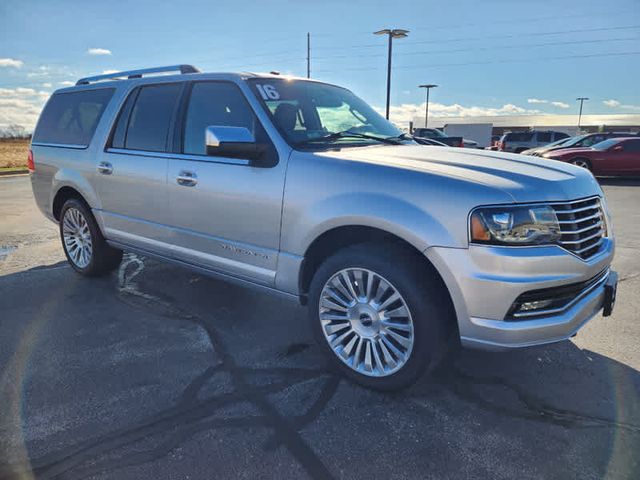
138	73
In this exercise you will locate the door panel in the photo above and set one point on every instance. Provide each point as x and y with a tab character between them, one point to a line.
135	207
225	212
131	176
230	219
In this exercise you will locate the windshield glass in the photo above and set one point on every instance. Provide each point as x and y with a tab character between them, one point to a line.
606	144
307	112
558	142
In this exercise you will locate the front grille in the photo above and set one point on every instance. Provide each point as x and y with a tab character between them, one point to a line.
582	225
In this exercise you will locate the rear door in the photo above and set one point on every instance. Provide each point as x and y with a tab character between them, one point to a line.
228	217
131	174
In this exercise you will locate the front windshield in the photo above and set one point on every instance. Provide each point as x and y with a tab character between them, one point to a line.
316	114
559	142
605	144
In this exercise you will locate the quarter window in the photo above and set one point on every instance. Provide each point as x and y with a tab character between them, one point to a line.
214	104
151	117
71	118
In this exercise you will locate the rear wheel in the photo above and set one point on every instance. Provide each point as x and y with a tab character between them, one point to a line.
83	243
380	316
581	162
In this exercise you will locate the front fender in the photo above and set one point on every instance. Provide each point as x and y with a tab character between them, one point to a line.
377	210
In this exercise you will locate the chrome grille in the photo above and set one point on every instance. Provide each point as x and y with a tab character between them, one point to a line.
582	225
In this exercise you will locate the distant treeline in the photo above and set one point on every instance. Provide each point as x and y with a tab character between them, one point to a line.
14	131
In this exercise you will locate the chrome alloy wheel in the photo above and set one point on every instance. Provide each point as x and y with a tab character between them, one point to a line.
366	322
77	237
581	163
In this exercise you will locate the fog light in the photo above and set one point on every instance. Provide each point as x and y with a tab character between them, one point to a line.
535	305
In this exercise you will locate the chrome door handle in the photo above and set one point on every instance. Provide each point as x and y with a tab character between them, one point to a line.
187	179
105	168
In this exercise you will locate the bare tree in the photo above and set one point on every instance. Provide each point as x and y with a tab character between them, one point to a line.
14	131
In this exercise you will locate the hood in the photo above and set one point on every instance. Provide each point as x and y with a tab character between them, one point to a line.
570	151
525	179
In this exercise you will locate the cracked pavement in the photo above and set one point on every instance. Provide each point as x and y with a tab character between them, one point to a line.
157	372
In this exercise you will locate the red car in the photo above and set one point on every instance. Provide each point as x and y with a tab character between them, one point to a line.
616	156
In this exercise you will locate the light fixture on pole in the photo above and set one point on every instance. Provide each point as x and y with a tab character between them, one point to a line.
581	99
391	33
426	109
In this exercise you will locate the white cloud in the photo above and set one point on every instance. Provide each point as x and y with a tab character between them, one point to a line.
47	85
404	113
98	51
560	104
611	103
20	106
11	62
67	83
536	100
107	72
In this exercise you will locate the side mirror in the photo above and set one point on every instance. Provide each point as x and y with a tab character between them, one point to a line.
617	148
233	142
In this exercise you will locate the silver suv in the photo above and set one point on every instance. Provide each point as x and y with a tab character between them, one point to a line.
299	187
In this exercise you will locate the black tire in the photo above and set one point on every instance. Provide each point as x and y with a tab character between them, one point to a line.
582	162
103	258
425	296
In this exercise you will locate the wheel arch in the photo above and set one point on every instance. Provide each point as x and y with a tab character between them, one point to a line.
344	236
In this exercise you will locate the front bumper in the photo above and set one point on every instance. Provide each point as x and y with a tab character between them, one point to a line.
484	282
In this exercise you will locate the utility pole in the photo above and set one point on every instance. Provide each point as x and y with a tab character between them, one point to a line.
308	55
392	33
426	109
581	99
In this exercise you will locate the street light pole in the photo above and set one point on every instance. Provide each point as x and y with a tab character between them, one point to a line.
582	99
426	109
392	33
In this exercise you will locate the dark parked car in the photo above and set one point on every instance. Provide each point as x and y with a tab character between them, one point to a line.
518	142
579	141
616	156
440	136
429	141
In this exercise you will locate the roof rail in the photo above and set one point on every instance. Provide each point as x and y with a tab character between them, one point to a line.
138	73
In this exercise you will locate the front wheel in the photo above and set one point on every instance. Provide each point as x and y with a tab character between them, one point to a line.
83	243
380	315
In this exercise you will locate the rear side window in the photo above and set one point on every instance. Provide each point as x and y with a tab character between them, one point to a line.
151	117
632	146
519	136
71	118
544	137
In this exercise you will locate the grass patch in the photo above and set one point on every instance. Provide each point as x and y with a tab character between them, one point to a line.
14	153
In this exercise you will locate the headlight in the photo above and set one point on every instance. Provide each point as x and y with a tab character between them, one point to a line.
517	225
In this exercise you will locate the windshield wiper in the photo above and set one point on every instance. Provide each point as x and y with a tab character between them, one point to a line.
347	134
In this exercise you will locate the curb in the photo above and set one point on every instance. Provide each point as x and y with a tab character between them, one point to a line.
13	173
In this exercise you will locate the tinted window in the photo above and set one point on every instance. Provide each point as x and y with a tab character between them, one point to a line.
72	118
544	137
119	134
519	136
214	104
151	117
632	146
591	140
559	135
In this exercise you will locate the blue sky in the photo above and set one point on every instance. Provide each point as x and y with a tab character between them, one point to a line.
492	56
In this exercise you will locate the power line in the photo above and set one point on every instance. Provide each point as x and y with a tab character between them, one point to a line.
491	37
473	49
490	62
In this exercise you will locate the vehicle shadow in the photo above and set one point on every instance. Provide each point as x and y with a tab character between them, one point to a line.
620	181
549	412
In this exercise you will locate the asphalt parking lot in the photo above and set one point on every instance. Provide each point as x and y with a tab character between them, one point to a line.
157	372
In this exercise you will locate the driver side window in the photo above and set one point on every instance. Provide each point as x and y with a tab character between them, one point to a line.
214	104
